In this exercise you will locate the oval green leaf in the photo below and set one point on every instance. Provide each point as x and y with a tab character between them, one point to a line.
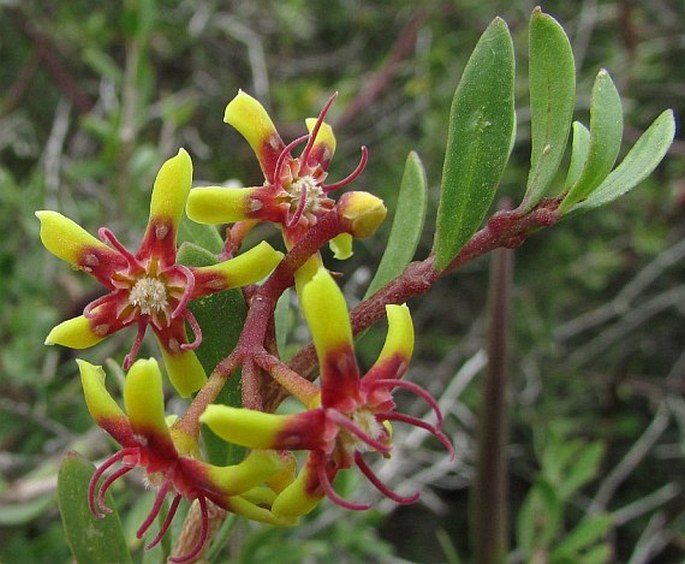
407	224
91	540
606	132
479	140
552	78
641	160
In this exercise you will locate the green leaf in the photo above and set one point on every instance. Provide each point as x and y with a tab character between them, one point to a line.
479	140
552	78
407	224
584	467
221	316
598	555
91	540
205	236
539	518
639	163
579	152
606	131
584	534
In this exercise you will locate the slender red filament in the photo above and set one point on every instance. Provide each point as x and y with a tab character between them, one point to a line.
200	541
285	153
315	130
385	490
187	291
412	387
167	521
292	222
423	425
107	483
108	237
350	177
195	328
133	353
330	492
108	463
88	311
156	507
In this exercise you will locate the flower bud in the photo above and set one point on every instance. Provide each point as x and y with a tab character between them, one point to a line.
361	213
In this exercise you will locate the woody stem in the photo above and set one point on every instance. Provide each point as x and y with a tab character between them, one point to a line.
507	228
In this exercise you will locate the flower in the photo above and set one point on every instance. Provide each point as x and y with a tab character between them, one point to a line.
169	457
294	193
349	416
149	287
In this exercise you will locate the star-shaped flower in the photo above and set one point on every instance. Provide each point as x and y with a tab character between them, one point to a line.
170	458
148	288
349	416
295	193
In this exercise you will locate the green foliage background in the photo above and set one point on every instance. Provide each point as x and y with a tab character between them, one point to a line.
93	98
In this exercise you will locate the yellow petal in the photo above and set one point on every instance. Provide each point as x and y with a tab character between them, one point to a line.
75	333
171	187
325	311
100	403
298	499
241	506
244	427
247	268
184	370
66	239
254	470
307	271
216	204
144	397
252	121
400	337
324	144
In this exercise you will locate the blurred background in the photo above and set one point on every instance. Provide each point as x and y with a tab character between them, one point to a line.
95	96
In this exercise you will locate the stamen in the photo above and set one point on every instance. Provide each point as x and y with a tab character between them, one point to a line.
286	153
133	353
203	536
385	490
349	425
187	292
412	387
423	425
108	463
350	177
292	222
108	237
149	296
195	328
315	130
167	521
156	507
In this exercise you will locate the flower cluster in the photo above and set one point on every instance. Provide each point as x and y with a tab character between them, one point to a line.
345	418
170	458
148	287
